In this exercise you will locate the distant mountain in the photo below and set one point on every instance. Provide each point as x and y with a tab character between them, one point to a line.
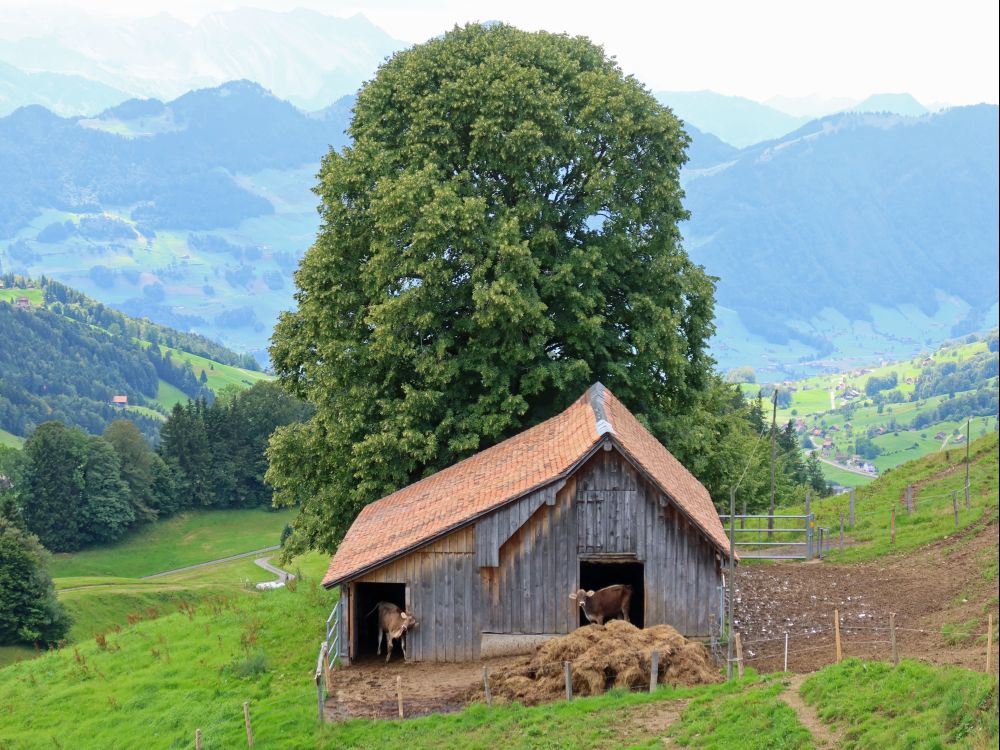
857	215
897	104
176	170
811	106
65	95
307	57
737	121
706	150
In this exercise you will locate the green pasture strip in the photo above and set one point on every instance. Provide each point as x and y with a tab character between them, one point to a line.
185	539
10	441
35	296
217	375
155	682
844	478
756	719
167	395
11	654
914	705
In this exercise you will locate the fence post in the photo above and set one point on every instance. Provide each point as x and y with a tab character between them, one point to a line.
892	525
809	528
892	636
197	737
568	675
739	654
399	693
841	531
913	499
786	652
654	670
968	499
989	641
909	499
954	505
850	517
486	686
246	722
836	634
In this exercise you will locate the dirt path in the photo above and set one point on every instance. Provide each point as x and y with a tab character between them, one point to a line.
825	736
213	562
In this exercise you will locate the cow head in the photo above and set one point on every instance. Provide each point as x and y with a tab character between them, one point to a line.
581	597
408	623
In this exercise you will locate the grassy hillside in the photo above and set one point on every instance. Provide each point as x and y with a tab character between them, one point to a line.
185	539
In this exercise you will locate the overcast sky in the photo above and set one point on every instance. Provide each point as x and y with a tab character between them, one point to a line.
943	52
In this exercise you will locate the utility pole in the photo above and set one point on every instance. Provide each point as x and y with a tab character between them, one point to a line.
774	448
968	439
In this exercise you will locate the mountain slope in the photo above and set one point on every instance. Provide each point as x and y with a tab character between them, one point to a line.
897	104
66	95
736	120
855	211
65	357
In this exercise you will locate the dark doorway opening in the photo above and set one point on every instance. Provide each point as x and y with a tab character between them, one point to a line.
366	598
595	575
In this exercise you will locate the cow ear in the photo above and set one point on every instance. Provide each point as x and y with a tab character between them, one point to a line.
572	596
590	594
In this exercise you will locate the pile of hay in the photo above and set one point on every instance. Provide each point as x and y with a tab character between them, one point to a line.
615	655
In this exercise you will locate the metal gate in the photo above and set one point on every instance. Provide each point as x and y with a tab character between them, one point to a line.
793	538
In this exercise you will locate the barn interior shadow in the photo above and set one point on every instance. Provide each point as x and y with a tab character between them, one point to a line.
596	574
367	596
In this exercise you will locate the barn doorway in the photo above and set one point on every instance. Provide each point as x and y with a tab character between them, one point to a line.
596	574
366	597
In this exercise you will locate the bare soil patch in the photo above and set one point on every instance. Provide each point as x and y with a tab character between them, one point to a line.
940	583
824	735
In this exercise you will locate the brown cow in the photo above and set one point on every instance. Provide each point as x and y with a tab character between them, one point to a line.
605	604
392	625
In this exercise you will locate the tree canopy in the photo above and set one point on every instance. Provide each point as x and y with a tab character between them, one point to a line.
501	233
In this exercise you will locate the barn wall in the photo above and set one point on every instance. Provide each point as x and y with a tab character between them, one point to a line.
443	594
608	509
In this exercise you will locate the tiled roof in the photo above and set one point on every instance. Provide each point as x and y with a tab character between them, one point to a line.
534	458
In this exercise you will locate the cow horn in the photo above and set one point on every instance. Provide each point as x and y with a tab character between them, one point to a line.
590	594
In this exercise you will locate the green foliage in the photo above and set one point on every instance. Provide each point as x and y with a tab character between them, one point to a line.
71	492
912	705
217	452
501	234
29	610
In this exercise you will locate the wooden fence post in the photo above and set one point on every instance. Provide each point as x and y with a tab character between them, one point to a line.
486	686
954	505
786	652
909	499
892	638
841	531
892	526
913	499
989	641
399	693
850	517
739	654
568	675
836	634
246	722
654	670
197	739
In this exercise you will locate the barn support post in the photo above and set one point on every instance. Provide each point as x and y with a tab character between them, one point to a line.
732	581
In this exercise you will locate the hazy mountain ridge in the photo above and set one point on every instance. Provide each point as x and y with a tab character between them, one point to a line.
851	211
307	57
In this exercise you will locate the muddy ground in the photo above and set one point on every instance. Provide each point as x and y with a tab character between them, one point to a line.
936	585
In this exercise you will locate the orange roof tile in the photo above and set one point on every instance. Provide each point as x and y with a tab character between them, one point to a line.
534	458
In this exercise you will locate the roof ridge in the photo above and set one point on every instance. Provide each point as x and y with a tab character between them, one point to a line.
601	421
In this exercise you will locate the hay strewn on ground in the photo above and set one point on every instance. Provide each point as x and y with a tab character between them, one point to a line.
614	655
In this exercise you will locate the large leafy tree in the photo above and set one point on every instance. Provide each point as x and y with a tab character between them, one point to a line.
501	233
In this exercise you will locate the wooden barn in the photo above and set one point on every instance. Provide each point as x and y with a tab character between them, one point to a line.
486	553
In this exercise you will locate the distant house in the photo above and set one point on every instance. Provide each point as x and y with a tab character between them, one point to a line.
828	443
120	401
833	428
939	436
960	438
22	303
817	432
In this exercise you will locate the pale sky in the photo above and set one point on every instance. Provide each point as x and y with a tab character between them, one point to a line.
942	52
